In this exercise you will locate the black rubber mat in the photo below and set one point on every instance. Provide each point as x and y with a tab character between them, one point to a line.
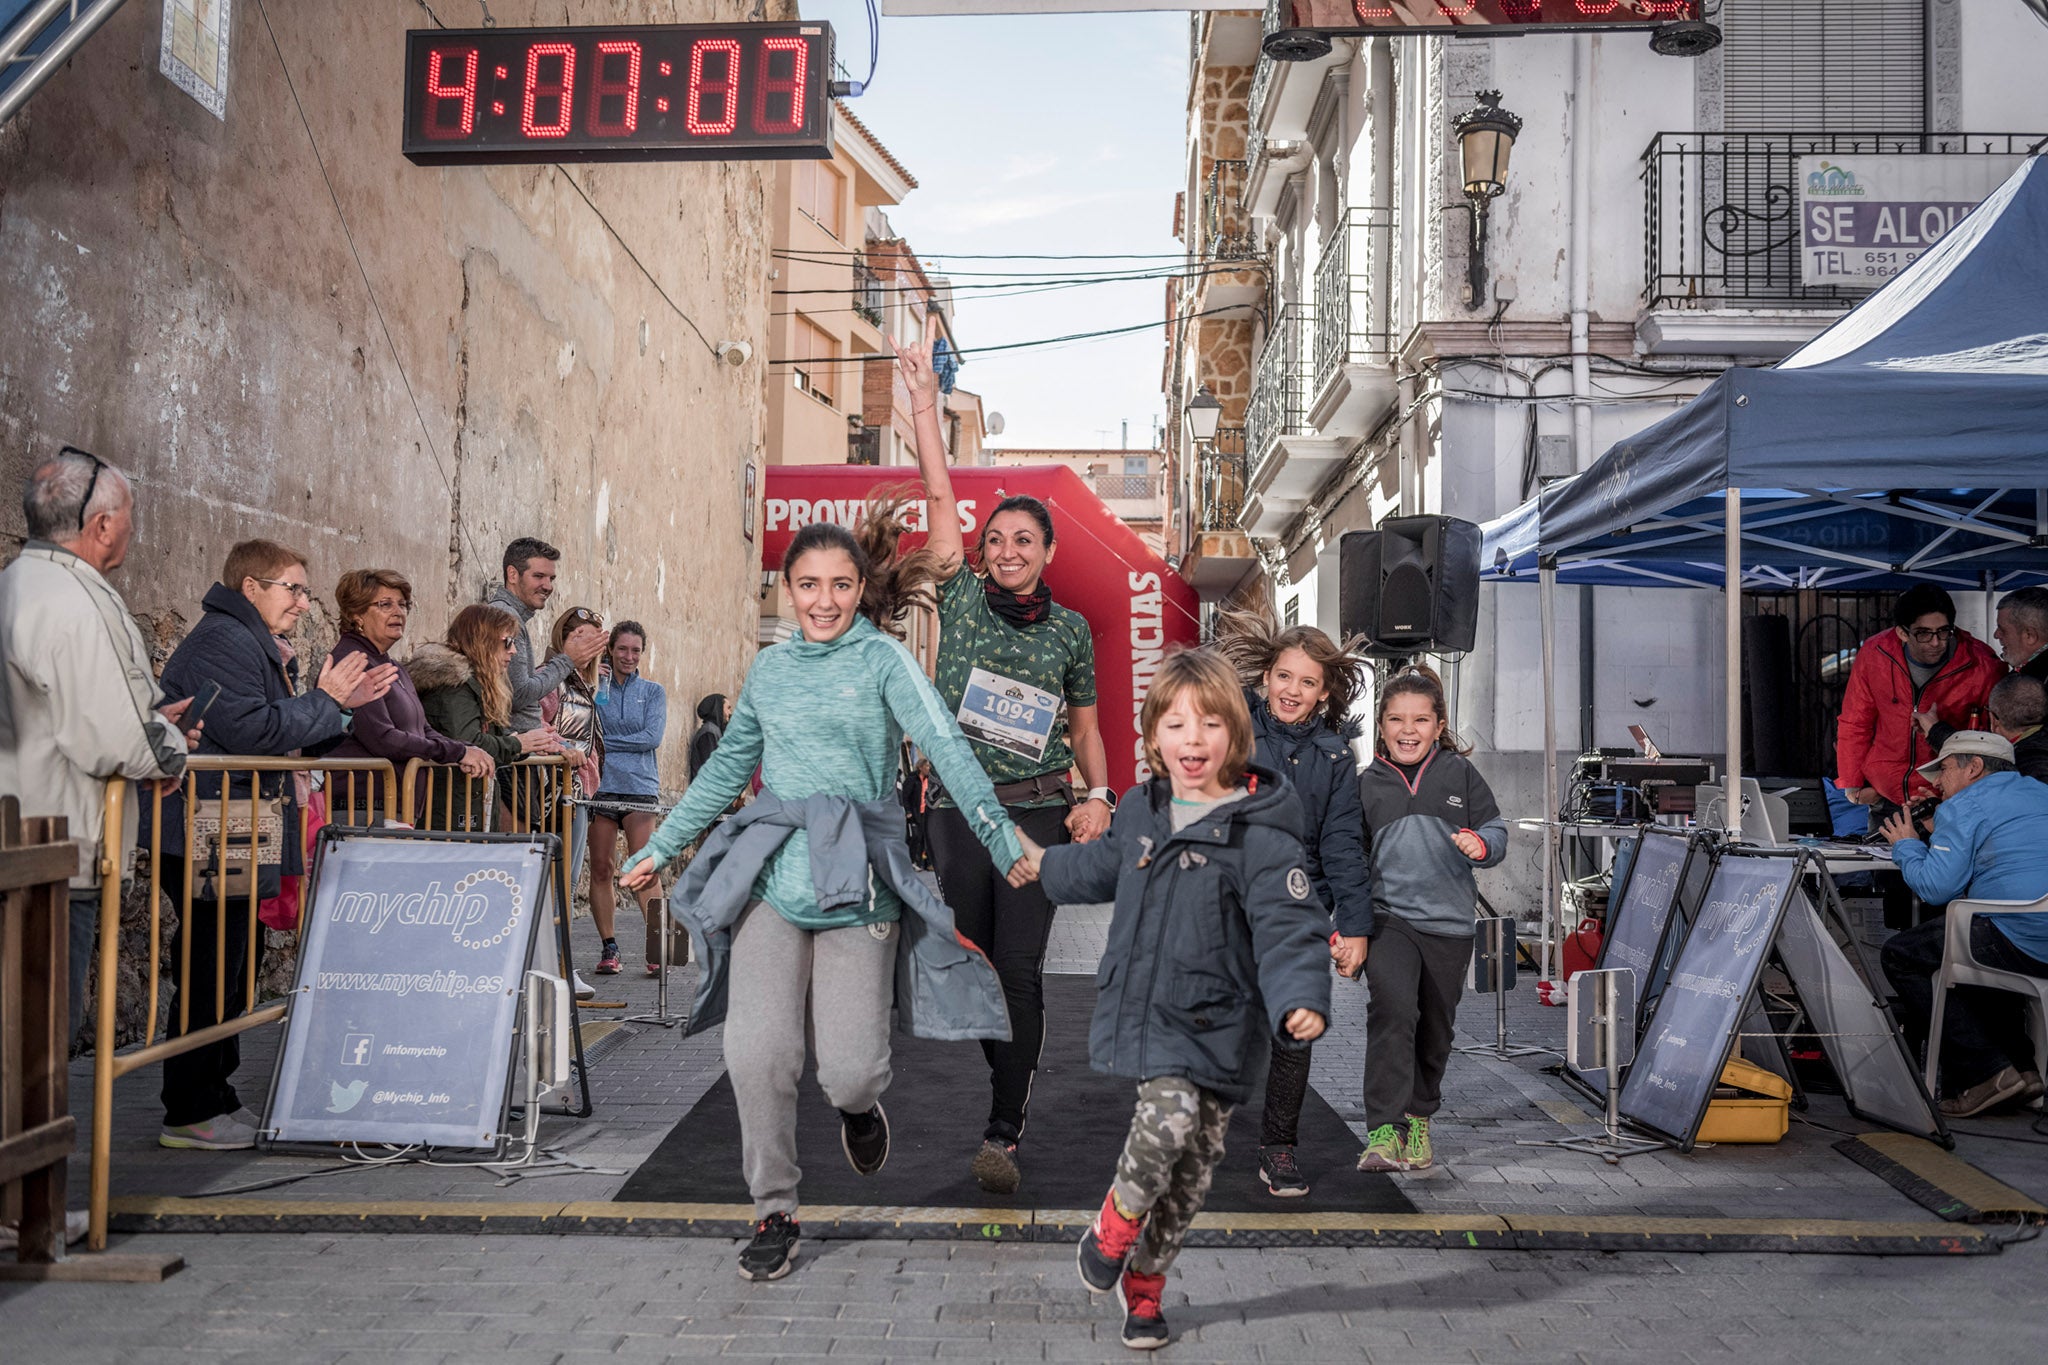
937	1104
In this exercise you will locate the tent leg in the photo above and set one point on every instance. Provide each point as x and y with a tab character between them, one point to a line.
1731	772
1553	837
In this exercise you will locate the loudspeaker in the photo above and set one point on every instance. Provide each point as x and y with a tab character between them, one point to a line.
1411	585
1770	697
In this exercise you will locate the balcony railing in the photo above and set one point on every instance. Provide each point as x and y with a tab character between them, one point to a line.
1226	227
1277	11
1351	326
1280	386
868	294
1126	487
1223	469
1721	211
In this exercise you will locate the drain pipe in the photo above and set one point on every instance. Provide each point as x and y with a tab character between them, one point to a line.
1581	246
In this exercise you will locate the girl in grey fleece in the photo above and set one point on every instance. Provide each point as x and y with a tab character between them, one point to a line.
1431	819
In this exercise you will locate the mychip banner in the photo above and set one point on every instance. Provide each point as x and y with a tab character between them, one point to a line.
412	961
1863	219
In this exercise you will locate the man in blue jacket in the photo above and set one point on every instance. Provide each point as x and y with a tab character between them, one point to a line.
1990	842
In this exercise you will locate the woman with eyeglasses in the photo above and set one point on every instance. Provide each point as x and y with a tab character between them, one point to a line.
465	690
373	605
572	710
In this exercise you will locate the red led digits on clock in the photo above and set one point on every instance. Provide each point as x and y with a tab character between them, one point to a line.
724	89
440	90
1452	9
626	90
1365	10
556	90
1596	9
1522	11
791	85
1663	9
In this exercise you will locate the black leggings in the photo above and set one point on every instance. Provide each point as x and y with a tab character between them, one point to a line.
1286	1089
1011	924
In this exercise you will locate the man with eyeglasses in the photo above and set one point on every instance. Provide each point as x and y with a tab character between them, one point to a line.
1923	664
78	704
1989	842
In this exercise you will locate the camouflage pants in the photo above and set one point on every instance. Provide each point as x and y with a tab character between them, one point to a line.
1175	1143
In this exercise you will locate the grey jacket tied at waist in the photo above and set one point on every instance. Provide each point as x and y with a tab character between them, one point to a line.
946	988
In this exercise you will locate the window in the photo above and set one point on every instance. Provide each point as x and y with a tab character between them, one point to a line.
1824	66
820	193
1290	615
815	370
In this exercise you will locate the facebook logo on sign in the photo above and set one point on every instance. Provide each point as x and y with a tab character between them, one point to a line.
356	1048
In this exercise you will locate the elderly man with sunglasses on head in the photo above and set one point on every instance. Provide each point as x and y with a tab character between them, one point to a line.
78	704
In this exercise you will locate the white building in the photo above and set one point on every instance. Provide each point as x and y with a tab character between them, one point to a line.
1643	244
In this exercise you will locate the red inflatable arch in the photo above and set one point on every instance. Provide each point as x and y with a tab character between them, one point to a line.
1136	606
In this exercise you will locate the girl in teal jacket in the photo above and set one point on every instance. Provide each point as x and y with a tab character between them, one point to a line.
824	714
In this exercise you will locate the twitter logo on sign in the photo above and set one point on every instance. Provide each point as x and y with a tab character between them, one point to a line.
342	1098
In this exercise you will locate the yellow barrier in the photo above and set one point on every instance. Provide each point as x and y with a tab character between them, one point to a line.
230	848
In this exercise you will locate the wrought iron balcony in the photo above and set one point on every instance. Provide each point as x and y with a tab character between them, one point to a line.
1226	226
1223	469
1721	211
1351	326
1277	13
1280	385
868	294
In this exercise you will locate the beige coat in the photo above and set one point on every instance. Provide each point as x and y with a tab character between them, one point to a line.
77	699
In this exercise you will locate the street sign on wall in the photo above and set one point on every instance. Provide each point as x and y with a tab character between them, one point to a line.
1136	607
1863	219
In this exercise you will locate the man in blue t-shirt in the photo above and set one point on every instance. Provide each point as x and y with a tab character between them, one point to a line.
1989	842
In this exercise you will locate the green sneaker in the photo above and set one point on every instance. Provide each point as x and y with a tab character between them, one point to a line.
1415	1152
1383	1150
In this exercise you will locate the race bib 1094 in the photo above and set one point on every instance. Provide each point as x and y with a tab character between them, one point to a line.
1006	714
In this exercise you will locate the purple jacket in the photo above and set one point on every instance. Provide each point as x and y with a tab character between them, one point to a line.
395	725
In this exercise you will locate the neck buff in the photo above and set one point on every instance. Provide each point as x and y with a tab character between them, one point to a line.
1020	609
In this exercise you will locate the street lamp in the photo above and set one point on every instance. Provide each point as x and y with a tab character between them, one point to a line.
1486	135
1204	415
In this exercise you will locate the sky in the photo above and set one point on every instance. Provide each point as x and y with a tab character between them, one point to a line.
1048	134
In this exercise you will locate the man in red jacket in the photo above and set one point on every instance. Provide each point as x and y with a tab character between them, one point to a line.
1924	663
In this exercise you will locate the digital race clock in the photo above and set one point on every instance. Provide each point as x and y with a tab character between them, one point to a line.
1479	17
669	92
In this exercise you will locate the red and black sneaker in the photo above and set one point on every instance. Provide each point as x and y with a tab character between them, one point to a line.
1106	1245
773	1251
608	958
1144	1321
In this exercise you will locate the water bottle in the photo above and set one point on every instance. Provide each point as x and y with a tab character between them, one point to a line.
604	687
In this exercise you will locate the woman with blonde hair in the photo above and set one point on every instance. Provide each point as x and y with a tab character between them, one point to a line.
466	692
1300	686
572	710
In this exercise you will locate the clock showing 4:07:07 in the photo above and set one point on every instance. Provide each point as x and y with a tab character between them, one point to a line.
664	92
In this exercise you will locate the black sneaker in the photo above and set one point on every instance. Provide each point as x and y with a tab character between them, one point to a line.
1144	1322
995	1167
865	1138
1105	1246
1283	1178
773	1251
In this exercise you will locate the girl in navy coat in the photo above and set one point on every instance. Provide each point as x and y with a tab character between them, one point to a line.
1299	687
1215	950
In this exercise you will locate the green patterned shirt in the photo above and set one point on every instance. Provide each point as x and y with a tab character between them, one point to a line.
1011	675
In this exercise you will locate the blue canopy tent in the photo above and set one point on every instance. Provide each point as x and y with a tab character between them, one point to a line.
1814	473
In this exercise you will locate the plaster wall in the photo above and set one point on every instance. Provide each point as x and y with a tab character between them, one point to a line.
282	328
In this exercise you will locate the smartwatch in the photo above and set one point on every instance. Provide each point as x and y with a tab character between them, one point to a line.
1106	795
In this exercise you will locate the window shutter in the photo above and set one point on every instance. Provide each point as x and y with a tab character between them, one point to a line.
1824	66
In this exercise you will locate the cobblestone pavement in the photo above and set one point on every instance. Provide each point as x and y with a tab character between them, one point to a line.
391	1300
508	1299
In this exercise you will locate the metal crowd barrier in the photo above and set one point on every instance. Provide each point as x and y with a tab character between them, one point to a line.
347	781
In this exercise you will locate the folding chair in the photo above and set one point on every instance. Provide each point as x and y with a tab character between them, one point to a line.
1958	968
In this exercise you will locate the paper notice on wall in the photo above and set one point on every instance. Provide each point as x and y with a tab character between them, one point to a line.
1863	219
195	51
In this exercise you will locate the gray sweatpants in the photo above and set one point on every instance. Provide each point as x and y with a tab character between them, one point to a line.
832	988
1413	982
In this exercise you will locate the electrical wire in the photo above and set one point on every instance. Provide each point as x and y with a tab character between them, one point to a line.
1017	345
794	253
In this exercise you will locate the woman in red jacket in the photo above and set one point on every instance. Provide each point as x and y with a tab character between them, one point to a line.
1924	663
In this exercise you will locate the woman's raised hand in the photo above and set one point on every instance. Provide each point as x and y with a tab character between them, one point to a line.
339	678
914	362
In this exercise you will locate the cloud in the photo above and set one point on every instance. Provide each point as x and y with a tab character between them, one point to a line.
995	211
1026	167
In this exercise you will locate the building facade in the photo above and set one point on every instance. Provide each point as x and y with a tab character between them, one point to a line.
282	328
1644	243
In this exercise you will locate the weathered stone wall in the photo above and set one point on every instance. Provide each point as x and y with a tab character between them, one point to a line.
182	298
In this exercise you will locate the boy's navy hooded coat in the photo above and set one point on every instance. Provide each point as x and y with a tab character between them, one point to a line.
1318	763
1216	938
